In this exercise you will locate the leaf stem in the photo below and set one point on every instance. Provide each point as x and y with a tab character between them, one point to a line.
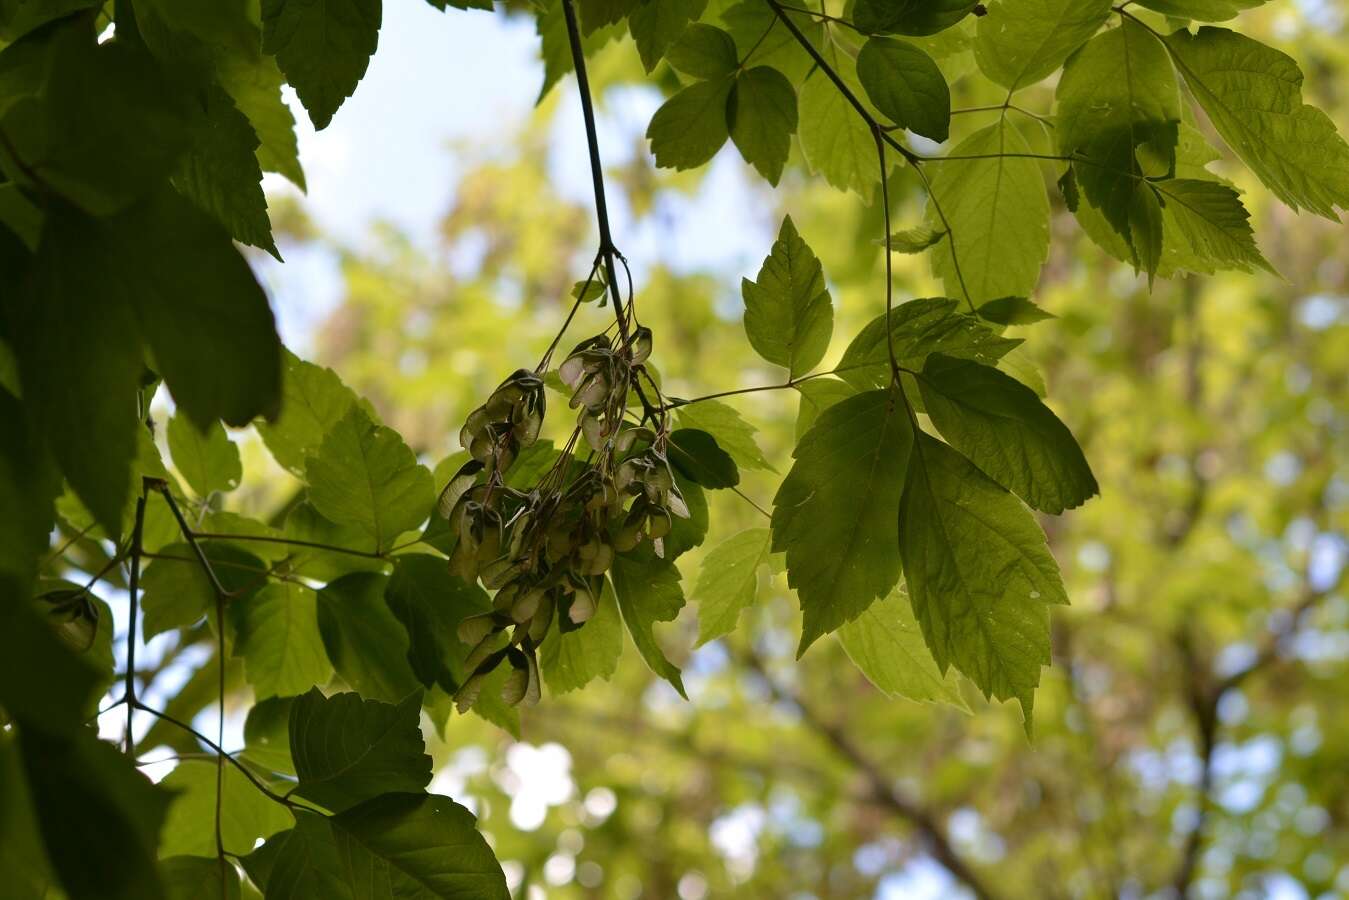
292	542
133	586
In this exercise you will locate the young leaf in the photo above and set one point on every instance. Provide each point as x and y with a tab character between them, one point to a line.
1021	42
348	750
979	573
914	240
366	644
410	845
691	126
906	86
312	399
733	434
729	581
998	211
762	117
1004	429
246	814
648	591
704	51
571	660
835	513
277	634
886	643
208	461
430	602
323	46
696	455
789	317
1253	96
363	474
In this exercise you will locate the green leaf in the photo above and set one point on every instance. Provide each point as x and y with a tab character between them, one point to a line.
886	643
323	46
1206	221
906	86
704	51
728	582
312	399
1253	96
267	734
733	434
998	212
835	140
817	395
595	14
657	24
255	85
364	475
99	817
394	846
24	861
29	483
689	129
303	523
555	44
178	591
198	878
77	113
220	171
430	602
208	461
648	591
1021	42
348	750
571	660
979	573
762	117
1111	120
789	316
1203	10
913	17
1004	429
365	642
835	513
918	329
914	240
44	685
277	634
246	814
696	455
1145	229
1012	311
761	39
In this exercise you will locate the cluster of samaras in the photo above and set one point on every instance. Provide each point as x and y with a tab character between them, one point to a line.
544	549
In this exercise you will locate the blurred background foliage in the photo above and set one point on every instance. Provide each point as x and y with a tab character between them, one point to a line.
1192	731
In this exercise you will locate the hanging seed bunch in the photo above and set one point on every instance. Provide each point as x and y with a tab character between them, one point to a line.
545	550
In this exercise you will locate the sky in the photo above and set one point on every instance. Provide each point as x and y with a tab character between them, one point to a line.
440	80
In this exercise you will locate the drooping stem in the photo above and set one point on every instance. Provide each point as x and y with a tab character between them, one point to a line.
133	587
889	256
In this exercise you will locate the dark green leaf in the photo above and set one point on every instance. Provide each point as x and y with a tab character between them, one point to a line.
323	46
761	114
696	455
835	513
817	395
255	85
1012	311
365	642
979	574
910	17
178	591
704	51
430	602
1021	42
348	750
691	127
733	433
906	86
29	484
246	814
1207	221
1007	432
657	24
648	591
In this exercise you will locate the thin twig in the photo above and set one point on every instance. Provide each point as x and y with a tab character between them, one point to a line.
133	587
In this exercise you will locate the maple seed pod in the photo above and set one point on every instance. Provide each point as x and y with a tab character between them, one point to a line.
476	424
543	618
459	483
641	345
467	695
583	603
473	630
